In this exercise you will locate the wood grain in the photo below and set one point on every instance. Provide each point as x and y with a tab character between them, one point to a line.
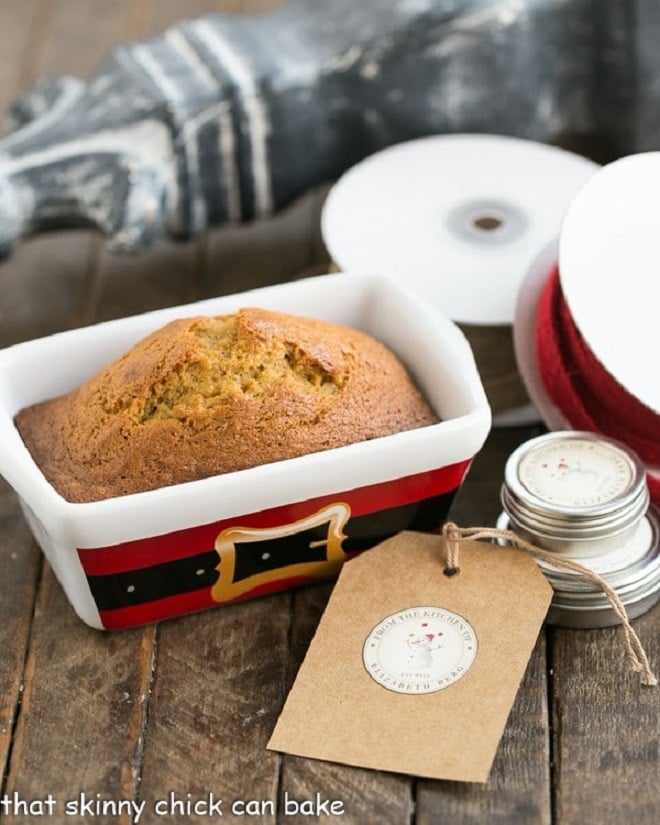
273	250
16	47
77	35
367	795
518	789
607	751
29	306
218	686
44	286
188	706
83	711
83	704
20	562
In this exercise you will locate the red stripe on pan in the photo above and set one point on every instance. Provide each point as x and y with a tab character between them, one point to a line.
131	555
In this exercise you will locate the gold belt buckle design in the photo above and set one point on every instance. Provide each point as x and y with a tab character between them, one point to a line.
239	566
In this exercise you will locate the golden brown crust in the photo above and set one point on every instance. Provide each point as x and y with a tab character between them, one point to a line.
205	396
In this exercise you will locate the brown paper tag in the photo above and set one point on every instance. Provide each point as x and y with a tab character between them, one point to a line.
413	671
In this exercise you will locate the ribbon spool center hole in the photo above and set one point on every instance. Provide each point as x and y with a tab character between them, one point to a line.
491	222
487	223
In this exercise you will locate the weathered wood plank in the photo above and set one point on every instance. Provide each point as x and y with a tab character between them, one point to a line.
43	287
368	796
478	502
518	790
319	253
259	6
607	727
16	43
81	720
20	562
41	284
218	675
269	251
28	307
218	686
168	12
166	275
80	33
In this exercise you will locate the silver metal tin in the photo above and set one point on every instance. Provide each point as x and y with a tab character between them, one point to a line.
585	497
574	492
633	572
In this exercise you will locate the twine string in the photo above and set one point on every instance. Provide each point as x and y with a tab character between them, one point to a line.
452	537
635	651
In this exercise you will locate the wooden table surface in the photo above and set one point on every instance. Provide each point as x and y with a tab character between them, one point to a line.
187	707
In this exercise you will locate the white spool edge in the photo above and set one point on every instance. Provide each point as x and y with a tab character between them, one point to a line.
609	266
412	213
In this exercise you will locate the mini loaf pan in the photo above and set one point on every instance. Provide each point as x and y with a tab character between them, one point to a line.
137	559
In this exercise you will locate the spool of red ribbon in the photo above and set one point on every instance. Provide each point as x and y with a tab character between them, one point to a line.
586	323
582	389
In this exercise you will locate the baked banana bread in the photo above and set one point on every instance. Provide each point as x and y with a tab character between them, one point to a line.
203	396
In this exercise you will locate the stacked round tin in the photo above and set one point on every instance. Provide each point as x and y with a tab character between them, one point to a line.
585	497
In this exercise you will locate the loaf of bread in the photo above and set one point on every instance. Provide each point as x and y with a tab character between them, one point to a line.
204	396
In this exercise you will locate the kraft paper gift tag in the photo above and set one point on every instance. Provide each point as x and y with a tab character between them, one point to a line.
412	670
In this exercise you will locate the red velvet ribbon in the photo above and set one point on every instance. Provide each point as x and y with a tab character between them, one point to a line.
585	392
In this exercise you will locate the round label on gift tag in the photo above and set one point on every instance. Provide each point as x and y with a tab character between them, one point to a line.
420	650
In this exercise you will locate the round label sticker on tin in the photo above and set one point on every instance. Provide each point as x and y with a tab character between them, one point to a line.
576	472
420	650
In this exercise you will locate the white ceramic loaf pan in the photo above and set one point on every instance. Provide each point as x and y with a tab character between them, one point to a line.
141	558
